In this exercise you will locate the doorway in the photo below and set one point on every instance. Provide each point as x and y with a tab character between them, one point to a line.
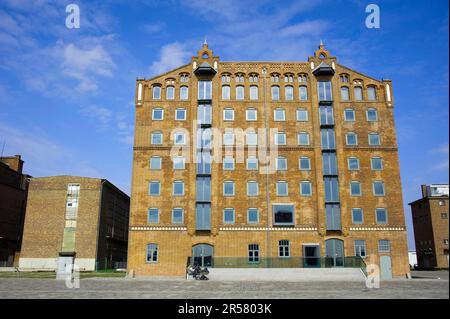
202	255
335	252
311	256
65	266
386	267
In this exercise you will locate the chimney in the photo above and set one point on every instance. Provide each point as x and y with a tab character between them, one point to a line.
424	191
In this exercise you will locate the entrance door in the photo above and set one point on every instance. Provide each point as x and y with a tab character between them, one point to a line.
65	265
202	254
311	256
386	267
335	251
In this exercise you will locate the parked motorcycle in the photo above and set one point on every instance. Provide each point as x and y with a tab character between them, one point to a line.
198	273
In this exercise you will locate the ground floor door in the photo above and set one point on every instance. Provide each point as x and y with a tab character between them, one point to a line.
335	251
202	255
385	267
311	256
65	265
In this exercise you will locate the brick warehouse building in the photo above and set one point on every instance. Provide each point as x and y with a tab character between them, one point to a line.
430	220
13	201
332	189
73	219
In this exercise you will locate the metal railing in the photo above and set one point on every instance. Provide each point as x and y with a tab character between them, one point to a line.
6	264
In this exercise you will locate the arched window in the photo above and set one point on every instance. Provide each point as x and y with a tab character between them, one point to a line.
275	93
184	93
288	78
343	78
170	93
344	93
239	92
225	92
275	77
303	93
288	93
371	93
302	78
225	78
253	92
357	92
156	92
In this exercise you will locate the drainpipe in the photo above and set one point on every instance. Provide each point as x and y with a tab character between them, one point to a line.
264	72
98	222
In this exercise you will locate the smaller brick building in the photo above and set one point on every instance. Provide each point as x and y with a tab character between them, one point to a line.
77	220
13	199
430	220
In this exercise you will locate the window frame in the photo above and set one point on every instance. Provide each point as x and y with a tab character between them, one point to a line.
224	211
234	188
153	252
178	182
301	188
180	109
150	187
153	114
153	209
353	216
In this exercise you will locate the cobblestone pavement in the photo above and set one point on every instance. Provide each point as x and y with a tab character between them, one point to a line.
177	288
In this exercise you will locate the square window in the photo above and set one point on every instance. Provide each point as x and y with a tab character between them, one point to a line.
284	249
228	139
303	138
372	115
280	138
283	215
228	189
305	188
178	162
381	215
180	115
157	114
357	216
353	163
252	216
252	188
355	188
384	246
374	139
360	248
152	253
302	115
251	115
228	216
351	139
153	216
282	189
279	115
378	188
228	115
281	164
349	115
376	163
178	188
179	138
154	188
155	162
228	163
252	138
252	163
305	164
157	138
177	216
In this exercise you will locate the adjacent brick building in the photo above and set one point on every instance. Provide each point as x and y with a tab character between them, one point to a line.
73	219
332	188
430	220
13	200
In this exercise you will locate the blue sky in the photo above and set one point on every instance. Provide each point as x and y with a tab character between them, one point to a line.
66	95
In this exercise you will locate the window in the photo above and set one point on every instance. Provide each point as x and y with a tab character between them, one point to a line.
253	92
326	115
279	115
157	114
204	114
153	216
333	216
357	216
204	90
179	138
360	248
302	78
251	115
252	138
353	163
381	215
283	214
329	163
324	88
302	115
252	163
156	92
378	188
180	114
371	93
152	253
288	78
282	188
355	188
225	78
445	242
376	163
253	78
239	92
240	78
184	93
228	188
349	115
280	138
357	91
384	246
344	93
328	141
303	93
288	93
157	138
444	216
154	188
228	114
281	163
343	78
253	253
303	138
331	185
284	248
170	93
228	138
178	162
228	216
305	163
203	189
155	162
252	216
177	216
351	139
228	163
178	188
275	77
275	93
305	189
203	216
184	78
372	115
225	92
374	139
252	188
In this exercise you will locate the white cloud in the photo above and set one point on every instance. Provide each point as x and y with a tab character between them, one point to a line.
441	166
153	28
441	149
172	55
100	114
